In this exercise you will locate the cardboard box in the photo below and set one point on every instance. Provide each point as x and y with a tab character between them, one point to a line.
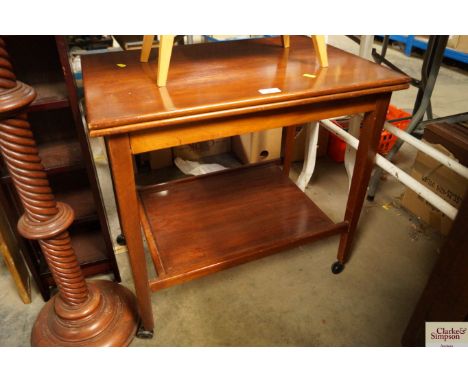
299	143
443	181
458	42
258	146
195	151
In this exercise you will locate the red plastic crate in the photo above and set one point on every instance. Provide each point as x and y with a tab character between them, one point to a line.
387	140
337	147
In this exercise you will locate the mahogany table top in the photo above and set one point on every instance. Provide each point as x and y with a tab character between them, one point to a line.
121	92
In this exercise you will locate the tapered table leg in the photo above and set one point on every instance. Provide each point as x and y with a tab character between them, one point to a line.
101	313
118	148
365	159
288	146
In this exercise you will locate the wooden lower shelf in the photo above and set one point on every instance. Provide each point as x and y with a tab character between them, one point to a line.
200	225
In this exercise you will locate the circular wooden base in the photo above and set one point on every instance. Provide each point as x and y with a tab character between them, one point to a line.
108	318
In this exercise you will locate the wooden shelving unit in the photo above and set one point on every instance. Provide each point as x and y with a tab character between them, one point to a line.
42	62
50	96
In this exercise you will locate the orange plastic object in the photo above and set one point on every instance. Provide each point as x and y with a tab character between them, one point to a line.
387	140
337	147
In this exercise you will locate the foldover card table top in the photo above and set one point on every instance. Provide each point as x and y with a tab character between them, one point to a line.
203	224
121	93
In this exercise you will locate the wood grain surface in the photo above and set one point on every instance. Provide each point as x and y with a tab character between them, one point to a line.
213	222
204	78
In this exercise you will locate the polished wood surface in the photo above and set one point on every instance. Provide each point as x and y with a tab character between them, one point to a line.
369	139
205	78
216	221
81	314
107	256
167	42
56	120
118	149
294	112
213	91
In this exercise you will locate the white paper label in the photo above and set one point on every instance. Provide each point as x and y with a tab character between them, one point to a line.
269	91
447	334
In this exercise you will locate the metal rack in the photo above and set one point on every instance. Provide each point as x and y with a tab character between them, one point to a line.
430	68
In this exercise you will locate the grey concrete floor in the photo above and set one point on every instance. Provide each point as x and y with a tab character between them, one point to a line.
292	298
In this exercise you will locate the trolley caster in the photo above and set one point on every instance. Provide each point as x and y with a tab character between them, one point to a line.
337	268
144	334
120	239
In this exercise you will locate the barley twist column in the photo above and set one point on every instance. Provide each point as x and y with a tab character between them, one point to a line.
100	313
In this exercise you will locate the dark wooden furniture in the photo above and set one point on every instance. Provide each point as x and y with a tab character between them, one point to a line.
201	225
445	297
12	256
55	117
99	313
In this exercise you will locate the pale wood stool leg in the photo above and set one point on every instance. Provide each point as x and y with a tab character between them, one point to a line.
146	48
321	49
285	40
310	155
165	50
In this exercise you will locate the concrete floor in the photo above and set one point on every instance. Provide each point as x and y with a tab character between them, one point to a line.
292	298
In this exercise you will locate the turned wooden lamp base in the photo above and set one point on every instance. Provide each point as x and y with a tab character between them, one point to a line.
107	318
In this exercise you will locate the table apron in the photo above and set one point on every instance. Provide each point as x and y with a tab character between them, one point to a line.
208	129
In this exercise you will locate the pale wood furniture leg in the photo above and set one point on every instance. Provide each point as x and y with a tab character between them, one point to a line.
365	159
165	51
350	153
321	49
125	190
310	156
13	260
285	39
146	47
365	47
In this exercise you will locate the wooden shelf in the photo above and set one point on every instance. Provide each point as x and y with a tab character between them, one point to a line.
82	201
200	225
57	157
43	63
50	96
88	244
